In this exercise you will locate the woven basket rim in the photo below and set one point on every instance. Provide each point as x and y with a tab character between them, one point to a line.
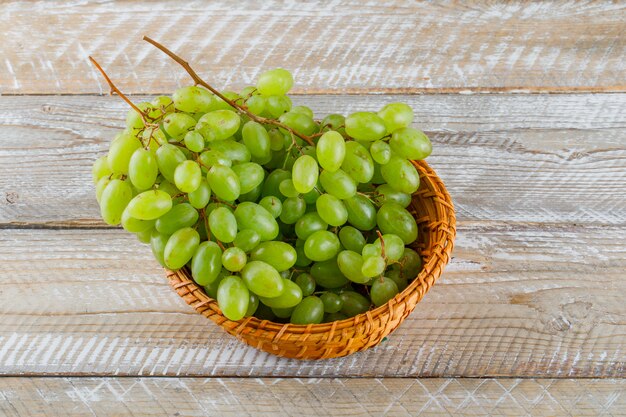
438	258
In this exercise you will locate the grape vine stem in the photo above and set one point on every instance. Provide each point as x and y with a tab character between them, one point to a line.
239	107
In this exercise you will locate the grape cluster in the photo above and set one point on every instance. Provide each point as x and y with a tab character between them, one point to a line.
276	214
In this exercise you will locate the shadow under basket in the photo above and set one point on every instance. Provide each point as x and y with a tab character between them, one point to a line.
434	213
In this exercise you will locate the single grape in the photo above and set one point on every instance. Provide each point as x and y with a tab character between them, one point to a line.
299	122
201	196
100	169
114	200
351	239
143	169
252	216
120	152
335	122
133	225
328	275
329	318
394	247
218	125
224	182
247	240
277	139
350	264
358	163
181	215
234	259
401	175
282	313
394	274
194	141
256	104
100	186
161	105
373	266
410	143
366	126
293	209
256	138
233	298
410	263
353	303
290	297
306	282
157	244
361	212
178	124
383	289
187	176
280	255
287	188
370	250
250	176
133	119
272	204
193	99
212	287
149	205
393	218
332	302
302	259
277	81
308	224
386	193
304	174
168	158
181	247
253	304
309	311
304	110
380	151
144	236
232	150
206	263
322	246
262	279
271	186
223	224
338	184
277	105
396	116
331	210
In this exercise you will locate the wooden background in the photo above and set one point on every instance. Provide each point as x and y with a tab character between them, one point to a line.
526	105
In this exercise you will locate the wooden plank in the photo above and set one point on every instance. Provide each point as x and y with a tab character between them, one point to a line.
516	300
540	158
341	46
22	397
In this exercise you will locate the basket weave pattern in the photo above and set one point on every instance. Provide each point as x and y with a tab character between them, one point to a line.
434	213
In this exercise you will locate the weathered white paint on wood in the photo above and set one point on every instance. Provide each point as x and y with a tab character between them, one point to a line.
547	158
534	300
335	46
270	397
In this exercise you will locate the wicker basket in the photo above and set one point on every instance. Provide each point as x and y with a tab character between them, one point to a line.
434	213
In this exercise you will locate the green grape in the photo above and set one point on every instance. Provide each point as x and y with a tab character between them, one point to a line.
277	81
224	182
331	151
161	105
309	224
256	138
133	225
272	204
386	193
114	200
143	169
212	287
252	216
218	125
178	124
100	186
328	275
299	122
293	209
306	282
253	304
336	122
312	196
371	250
322	246
394	247
280	255
214	157
410	263
396	116
157	244
304	174
354	303
200	197
133	118
401	175
100	169
206	263
309	311
303	110
232	150
331	210
168	158
350	264
377	178
150	205
393	218
290	297
361	212
380	151
167	187
383	290
277	140
250	175
410	143
247	239
332	302
188	176
277	105
234	259
120	152
155	137
373	266
271	186
365	126
282	313
394	273
181	215
338	184
351	239
223	224
287	188
194	141
252	195
181	247
256	104
233	298
262	279
329	318
193	99
358	163
144	236
302	259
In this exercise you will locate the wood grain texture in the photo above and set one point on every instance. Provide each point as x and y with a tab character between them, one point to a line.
342	45
539	158
71	397
516	300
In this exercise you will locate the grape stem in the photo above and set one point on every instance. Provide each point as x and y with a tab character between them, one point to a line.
239	107
382	243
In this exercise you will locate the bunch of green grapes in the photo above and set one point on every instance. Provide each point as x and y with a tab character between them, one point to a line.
276	214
